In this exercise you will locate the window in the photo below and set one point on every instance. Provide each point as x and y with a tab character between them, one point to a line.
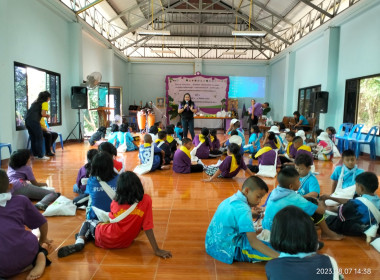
362	101
29	82
306	101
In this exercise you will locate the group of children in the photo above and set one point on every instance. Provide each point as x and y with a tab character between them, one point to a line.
116	203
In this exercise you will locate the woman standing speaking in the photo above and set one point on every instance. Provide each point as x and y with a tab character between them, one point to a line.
187	109
37	110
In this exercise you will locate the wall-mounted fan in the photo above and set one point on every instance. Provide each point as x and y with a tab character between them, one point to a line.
93	80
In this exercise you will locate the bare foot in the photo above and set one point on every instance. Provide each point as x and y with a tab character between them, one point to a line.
165	167
39	268
332	236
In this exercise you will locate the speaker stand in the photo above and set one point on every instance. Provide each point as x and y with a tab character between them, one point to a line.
79	124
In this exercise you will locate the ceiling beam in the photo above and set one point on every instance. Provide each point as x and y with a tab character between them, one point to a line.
88	6
122	13
315	7
138	41
145	21
273	13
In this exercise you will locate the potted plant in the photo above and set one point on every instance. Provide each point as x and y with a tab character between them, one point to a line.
172	108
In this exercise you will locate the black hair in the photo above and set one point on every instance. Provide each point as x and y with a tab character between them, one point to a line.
102	129
272	136
291	134
147	138
102	166
108	148
123	127
368	180
297	114
297	139
256	129
185	140
282	126
19	158
266	103
303	159
286	177
170	129
234	132
153	129
184	101
205	132
348	153
236	125
114	128
254	183
213	132
129	188
332	129
284	237
157	123
43	96
4	181
179	124
90	155
318	132
235	150
161	134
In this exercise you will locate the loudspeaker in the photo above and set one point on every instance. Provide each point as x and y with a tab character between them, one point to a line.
321	101
78	98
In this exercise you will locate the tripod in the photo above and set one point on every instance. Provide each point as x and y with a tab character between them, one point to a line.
79	124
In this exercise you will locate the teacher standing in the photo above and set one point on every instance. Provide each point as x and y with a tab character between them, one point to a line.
187	109
37	110
256	112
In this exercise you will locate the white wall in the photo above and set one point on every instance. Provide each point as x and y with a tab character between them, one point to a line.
276	90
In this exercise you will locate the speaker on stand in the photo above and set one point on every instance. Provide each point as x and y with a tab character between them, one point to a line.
78	101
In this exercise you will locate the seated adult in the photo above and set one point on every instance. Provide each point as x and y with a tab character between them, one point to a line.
301	122
49	137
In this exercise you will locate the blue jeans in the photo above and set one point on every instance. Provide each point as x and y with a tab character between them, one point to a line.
188	125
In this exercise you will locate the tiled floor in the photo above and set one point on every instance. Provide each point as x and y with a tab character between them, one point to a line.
183	206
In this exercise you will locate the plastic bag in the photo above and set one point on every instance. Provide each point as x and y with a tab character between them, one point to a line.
62	206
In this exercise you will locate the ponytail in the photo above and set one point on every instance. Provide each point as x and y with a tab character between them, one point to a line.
205	132
235	150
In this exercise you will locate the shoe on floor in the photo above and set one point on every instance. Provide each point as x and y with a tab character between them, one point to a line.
50	154
42	158
70	249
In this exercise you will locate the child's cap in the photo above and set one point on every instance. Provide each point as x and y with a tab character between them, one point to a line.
324	136
274	129
233	121
301	134
235	139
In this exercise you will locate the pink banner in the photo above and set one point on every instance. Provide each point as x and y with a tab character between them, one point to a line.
207	92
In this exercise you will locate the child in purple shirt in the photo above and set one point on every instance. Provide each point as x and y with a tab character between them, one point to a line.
203	151
265	156
230	166
24	183
215	144
20	249
182	159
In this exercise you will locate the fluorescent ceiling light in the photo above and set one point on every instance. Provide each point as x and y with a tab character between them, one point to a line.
154	32
249	33
234	53
162	51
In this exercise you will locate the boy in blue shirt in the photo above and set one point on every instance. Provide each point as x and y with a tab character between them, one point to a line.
145	154
309	186
343	177
284	195
355	215
179	131
231	235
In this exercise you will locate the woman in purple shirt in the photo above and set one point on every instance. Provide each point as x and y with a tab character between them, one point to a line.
187	109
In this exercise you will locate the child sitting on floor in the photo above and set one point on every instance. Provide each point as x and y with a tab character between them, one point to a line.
20	249
331	132
357	215
231	235
112	151
284	195
265	156
254	139
161	143
290	151
182	159
171	140
153	130
272	139
159	125
324	147
343	185
202	144
101	133
178	131
309	186
130	211
112	138
125	139
298	257
215	144
21	176
298	144
235	125
101	171
230	166
158	155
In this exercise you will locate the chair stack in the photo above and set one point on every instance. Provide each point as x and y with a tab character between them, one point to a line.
2	145
370	140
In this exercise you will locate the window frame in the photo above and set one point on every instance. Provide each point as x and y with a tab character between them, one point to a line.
312	89
58	93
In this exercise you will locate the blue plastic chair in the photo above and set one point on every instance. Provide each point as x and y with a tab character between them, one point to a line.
346	128
2	145
370	140
59	135
356	129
